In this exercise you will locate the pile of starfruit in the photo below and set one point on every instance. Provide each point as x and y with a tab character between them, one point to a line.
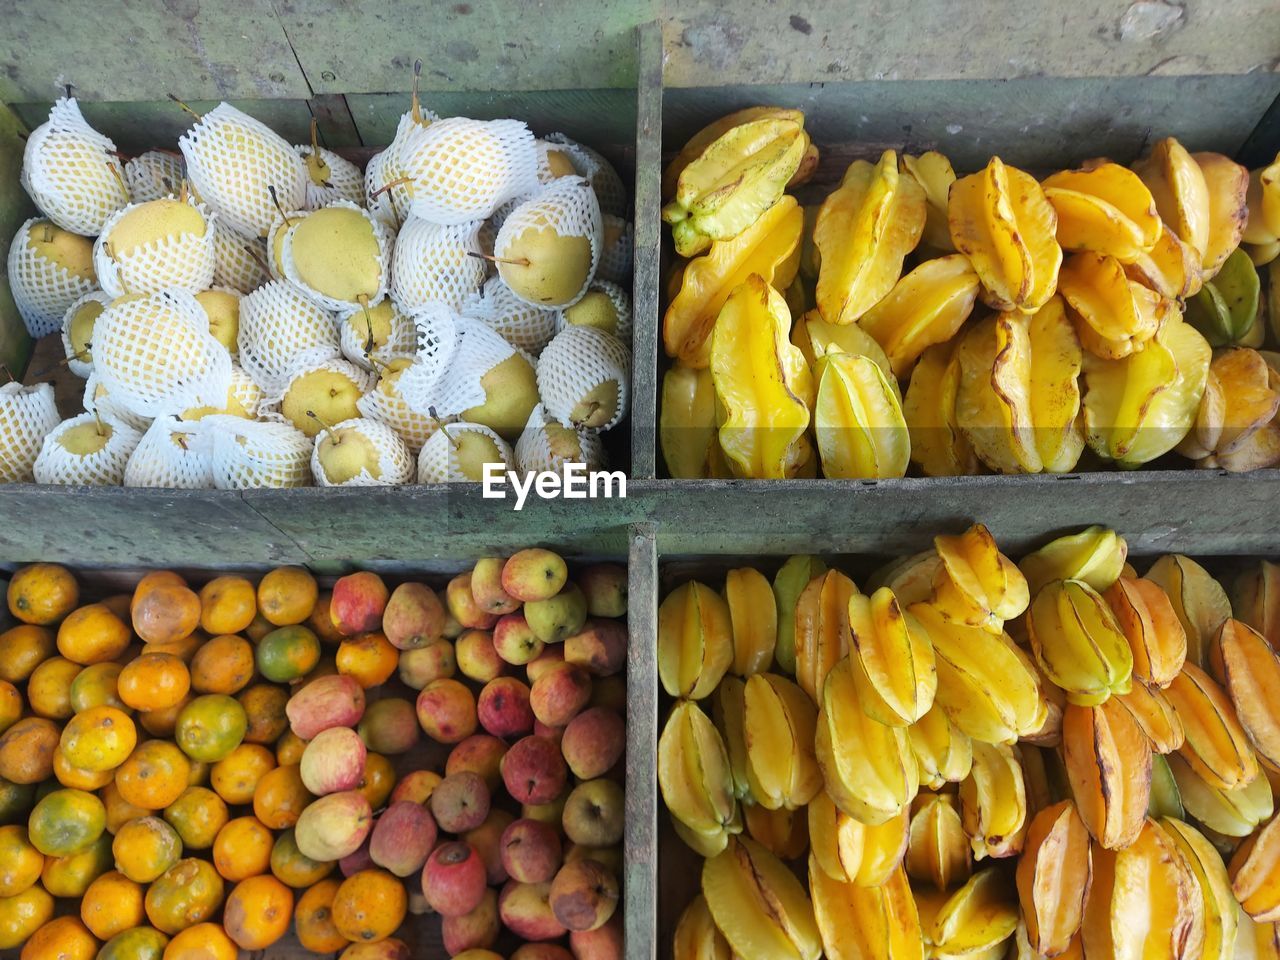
971	757
916	320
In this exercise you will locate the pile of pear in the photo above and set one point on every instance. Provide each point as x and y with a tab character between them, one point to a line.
328	288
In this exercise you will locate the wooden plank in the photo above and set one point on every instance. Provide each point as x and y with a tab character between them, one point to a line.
647	283
1263	144
139	51
641	841
763	41
15	207
335	125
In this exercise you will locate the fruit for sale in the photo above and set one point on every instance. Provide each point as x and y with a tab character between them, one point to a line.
1078	643
1053	878
694	775
976	919
88	449
1216	746
857	419
977	585
695	640
1221	912
1155	716
72	171
856	922
697	937
1115	316
1227	184
548	247
938	444
993	803
821	629
1108	764
789	582
1247	666
778	721
1145	616
584	379
1198	600
1105	209
1095	555
1255	598
361	452
753	618
157	245
943	753
1225	310
1181	194
759	905
935	175
938	850
892	658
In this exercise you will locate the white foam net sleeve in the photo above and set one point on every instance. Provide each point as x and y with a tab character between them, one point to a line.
458	388
545	148
433	262
153	175
437	333
385	404
245	391
380	235
79	364
42	289
617	256
274	240
353	337
345	182
183	261
463	169
395	463
566	205
306	364
535	451
104	467
621	303
391	169
599	172
173	453
238	260
27	415
438	460
232	160
72	171
277	323
381	206
577	360
521	324
97	399
250	454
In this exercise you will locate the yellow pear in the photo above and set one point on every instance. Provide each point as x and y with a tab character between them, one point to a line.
335	251
275	239
329	392
223	309
343	452
595	309
70	251
598	406
510	391
372	326
85	439
542	266
471	451
80	329
149	222
559	162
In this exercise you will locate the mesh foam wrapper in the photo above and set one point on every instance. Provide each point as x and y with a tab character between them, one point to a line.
383	260
544	148
105	468
463	169
185	261
251	454
621	303
346	182
237	260
71	171
437	337
42	289
521	324
395	463
479	349
387	405
244	390
305	364
599	172
232	159
153	175
432	263
98	399
78	365
617	258
533	448
569	207
380	206
159	460
277	323
576	360
27	415
438	463
353	333
391	169
155	354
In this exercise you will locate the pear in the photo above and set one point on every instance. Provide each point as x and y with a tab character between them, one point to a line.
97	399
379	204
436	263
338	255
616	250
71	171
171	454
459	451
77	331
222	306
360	452
555	162
510	392
548	248
605	306
49	269
547	445
243	399
143	224
599	173
584	379
239	262
153	175
285	221
523	325
158	245
461	169
85	439
328	390
88	449
329	176
377	334
279	324
71	252
27	415
385	404
251	454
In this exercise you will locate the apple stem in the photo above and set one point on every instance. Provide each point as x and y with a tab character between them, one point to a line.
328	427
185	107
521	262
279	206
415	108
389	185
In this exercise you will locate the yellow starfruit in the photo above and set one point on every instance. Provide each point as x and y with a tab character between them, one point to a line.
1115	315
1107	210
935	175
858	421
938	444
687	425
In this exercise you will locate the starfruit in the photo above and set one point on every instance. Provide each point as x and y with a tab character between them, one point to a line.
1138	408
759	905
1022	949
1095	555
765	248
822	632
754	619
864	230
1262	202
925	307
1256	599
1001	220
727	709
934	174
857	420
1171	268
1233	813
866	923
1250	397
910	578
1198	600
977	585
1108	764
978	917
1114	315
1107	210
815	337
938	444
1214	887
734	180
788	583
695	640
782	832
778	722
943	752
714	131
687	430
1145	616
867	766
1056	360
937	846
1225	310
854	852
1053	878
1177	185
993	801
1049	733
1255	873
1249	669
892	659
1154	715
697	936
1165	800
1216	744
1077	642
985	687
1269	180
1256	941
1143	902
763	383
693	773
1228	184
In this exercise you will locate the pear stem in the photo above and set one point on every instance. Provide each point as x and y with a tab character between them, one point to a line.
595	405
198	117
379	365
258	257
65	361
279	206
369	342
183	191
326	426
415	108
389	185
315	137
521	262
182	440
444	427
102	427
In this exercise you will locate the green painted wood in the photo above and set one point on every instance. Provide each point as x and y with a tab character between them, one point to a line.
15	207
335	124
765	41
647	279
141	51
640	916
